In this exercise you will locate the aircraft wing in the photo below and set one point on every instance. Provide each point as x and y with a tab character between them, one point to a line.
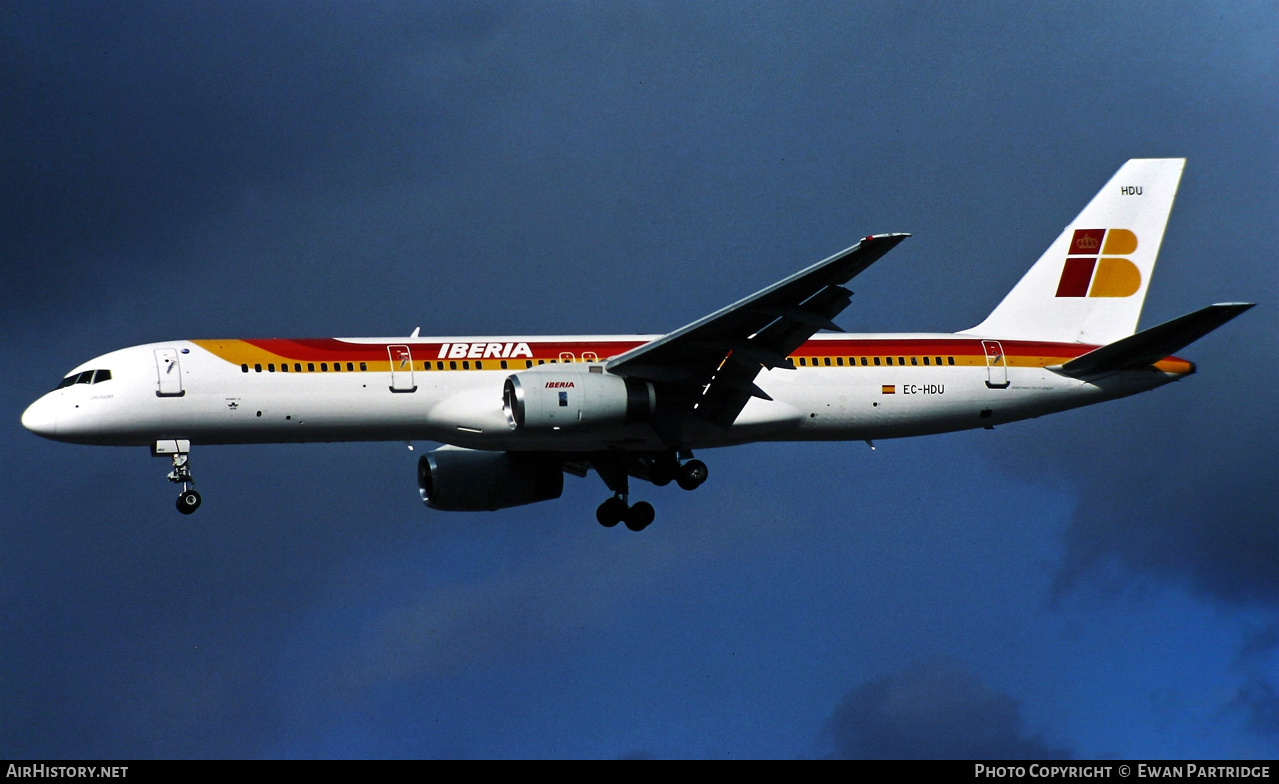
709	367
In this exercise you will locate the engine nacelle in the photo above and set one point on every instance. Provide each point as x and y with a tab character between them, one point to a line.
453	479
541	400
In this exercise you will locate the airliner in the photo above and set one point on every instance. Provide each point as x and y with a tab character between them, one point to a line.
513	414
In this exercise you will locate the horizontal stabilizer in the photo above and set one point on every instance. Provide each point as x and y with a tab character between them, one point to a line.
1151	345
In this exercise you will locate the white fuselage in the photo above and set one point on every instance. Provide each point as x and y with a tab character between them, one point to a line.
235	392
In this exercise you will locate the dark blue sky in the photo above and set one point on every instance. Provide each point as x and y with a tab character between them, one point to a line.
1104	582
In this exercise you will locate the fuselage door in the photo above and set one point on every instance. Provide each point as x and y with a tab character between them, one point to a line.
401	369
170	373
996	365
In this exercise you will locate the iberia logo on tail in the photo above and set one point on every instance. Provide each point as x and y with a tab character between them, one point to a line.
1095	267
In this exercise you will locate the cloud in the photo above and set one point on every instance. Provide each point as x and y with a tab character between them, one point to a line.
1208	522
932	710
1176	485
127	123
1257	699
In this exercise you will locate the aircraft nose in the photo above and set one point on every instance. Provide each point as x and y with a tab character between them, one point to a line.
41	418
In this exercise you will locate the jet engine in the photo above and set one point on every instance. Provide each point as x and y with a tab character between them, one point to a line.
453	479
542	400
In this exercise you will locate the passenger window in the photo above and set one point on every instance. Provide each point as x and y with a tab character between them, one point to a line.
479	365
803	362
938	360
925	360
297	367
876	361
950	360
439	365
541	362
324	367
363	366
901	360
270	368
504	364
890	360
310	367
839	361
864	362
284	367
350	366
244	368
337	367
528	363
914	360
453	364
466	364
257	368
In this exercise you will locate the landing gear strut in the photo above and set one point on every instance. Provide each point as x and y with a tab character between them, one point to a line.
188	499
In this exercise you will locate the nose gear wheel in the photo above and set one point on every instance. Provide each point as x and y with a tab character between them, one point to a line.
188	499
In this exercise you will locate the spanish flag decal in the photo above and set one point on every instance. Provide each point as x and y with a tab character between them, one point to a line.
888	389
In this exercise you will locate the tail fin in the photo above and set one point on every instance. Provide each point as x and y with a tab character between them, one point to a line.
1090	284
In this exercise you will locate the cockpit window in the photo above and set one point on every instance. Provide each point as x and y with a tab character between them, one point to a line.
85	377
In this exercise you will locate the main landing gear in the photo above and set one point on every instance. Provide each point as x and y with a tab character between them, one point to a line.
615	510
180	451
660	470
691	475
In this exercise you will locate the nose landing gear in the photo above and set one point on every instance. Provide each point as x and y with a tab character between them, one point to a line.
180	451
188	499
